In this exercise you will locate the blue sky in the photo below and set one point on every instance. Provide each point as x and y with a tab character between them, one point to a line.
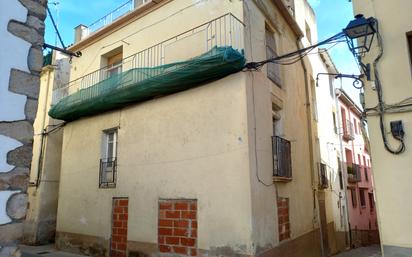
332	17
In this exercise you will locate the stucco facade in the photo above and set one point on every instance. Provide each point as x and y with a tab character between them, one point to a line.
40	223
21	30
391	172
357	165
331	196
209	147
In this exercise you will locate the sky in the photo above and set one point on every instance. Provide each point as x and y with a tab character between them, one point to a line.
332	17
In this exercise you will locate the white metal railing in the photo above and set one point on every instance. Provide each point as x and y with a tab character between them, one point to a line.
113	15
226	30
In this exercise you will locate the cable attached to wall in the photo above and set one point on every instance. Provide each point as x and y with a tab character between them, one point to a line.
381	104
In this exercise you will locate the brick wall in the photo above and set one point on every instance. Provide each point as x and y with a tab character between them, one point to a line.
283	218
177	227
119	227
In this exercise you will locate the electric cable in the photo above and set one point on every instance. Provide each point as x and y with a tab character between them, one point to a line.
381	105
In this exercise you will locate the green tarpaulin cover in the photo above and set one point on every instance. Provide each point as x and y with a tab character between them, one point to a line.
140	84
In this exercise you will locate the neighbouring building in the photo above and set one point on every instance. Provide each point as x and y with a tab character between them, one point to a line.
169	148
357	161
332	198
391	80
21	60
43	191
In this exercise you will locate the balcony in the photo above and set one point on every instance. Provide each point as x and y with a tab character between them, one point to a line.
204	53
108	173
122	10
354	172
348	131
282	159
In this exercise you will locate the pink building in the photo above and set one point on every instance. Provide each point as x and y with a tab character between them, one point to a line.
357	162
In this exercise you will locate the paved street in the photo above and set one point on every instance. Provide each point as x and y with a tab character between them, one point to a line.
370	251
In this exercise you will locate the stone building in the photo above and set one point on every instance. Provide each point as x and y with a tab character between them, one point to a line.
21	60
219	166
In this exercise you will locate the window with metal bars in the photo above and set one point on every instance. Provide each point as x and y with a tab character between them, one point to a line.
108	162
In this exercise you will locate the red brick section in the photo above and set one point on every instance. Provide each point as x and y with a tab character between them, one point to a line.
119	227
283	218
177	227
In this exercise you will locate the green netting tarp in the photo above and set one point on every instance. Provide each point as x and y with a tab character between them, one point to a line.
140	84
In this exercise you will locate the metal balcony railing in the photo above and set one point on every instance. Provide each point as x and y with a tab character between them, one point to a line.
354	172
114	15
282	157
224	31
348	130
108	172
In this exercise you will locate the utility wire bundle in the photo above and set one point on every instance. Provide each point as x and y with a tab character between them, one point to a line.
293	57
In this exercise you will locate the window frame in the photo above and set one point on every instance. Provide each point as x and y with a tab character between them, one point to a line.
409	47
273	70
108	159
354	199
362	198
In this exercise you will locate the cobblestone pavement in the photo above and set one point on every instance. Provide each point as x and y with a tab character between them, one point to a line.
370	251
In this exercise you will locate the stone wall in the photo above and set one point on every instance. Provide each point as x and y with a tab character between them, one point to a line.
22	32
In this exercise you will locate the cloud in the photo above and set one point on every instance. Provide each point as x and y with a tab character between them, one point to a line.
314	3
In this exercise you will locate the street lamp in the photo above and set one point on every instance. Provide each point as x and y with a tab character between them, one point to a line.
359	36
362	31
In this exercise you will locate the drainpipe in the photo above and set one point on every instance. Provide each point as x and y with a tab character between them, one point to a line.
338	93
311	154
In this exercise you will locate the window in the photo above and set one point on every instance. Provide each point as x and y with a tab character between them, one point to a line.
331	87
308	32
111	63
371	202
314	102
354	201
409	37
323	177
273	70
108	162
356	126
114	65
340	174
362	198
335	127
282	158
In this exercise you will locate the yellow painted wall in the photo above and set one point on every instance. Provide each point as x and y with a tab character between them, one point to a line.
198	143
392	173
192	144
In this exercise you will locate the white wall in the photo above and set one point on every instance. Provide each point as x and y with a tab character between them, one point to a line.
13	55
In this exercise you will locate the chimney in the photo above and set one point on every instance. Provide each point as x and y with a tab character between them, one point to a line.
80	32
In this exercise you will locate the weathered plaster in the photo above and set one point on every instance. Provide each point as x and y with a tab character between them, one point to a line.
7	144
11	104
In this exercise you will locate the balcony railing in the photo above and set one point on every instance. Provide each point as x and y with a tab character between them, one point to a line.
354	173
113	15
282	157
108	173
348	131
226	30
